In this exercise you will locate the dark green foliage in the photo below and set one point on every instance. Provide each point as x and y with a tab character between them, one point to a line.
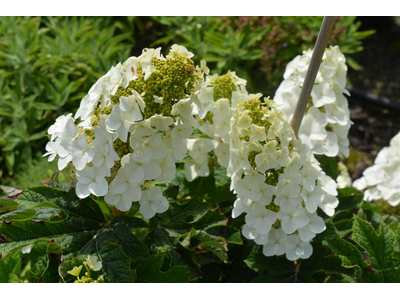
149	270
115	262
194	241
329	165
58	224
46	269
371	253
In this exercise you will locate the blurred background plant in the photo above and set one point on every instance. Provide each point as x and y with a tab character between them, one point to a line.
48	64
257	48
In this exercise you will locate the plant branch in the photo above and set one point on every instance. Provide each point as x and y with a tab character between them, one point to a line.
312	71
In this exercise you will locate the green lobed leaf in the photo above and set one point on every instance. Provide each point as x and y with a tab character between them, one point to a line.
208	246
149	270
258	262
397	233
193	213
115	263
380	248
61	216
21	214
71	233
121	232
68	201
232	234
344	227
349	198
349	254
46	270
352	258
10	266
329	165
7	205
168	240
169	230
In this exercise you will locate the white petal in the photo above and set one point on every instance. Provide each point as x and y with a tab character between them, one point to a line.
148	210
82	190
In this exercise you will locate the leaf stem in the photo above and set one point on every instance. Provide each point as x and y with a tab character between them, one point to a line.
297	263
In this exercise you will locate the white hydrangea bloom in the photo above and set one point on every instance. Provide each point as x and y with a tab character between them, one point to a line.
199	149
382	180
213	105
278	182
194	170
296	248
181	50
132	131
58	128
327	120
115	122
152	202
53	148
261	218
276	244
90	181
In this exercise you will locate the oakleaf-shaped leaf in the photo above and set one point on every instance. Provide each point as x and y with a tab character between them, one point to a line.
121	232
68	201
209	244
352	258
350	255
46	214
380	248
115	263
329	165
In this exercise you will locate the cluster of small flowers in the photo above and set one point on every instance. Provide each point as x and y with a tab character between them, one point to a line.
326	123
135	122
382	180
278	182
213	105
91	264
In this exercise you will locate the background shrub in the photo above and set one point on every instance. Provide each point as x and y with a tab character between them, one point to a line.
258	48
47	64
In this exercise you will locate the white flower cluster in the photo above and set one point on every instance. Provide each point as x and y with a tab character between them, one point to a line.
132	132
326	123
213	105
278	182
137	122
382	180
